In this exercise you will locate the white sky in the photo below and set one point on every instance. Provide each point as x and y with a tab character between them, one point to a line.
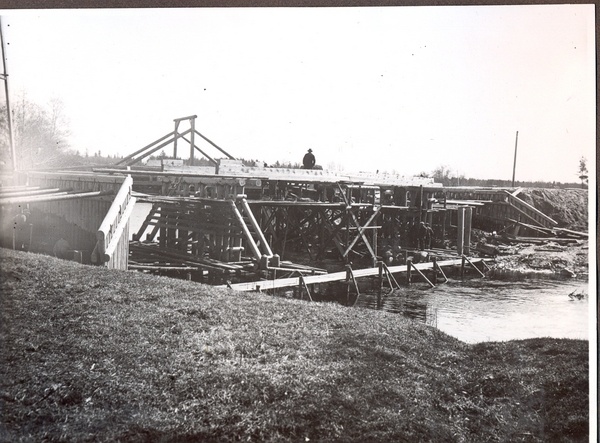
402	89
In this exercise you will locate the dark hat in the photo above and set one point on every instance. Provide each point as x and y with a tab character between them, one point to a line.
309	150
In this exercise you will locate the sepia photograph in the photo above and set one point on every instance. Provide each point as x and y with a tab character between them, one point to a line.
299	224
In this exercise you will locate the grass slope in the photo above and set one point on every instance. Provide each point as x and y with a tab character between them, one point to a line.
89	354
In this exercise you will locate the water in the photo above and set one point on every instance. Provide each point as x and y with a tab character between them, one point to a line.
480	310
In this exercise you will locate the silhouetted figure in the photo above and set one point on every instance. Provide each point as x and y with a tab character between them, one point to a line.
308	162
428	235
422	235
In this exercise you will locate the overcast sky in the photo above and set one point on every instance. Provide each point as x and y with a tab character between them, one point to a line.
403	89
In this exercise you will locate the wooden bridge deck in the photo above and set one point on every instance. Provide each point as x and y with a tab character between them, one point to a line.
264	285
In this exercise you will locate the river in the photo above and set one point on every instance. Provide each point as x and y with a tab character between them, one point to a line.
478	310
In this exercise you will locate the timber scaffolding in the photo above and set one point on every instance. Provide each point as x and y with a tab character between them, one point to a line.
238	225
222	236
241	243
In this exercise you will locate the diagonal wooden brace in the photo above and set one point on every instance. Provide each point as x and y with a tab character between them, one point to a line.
361	233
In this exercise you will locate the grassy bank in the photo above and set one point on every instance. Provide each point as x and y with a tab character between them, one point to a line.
90	354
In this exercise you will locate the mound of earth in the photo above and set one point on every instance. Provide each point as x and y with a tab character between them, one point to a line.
550	259
568	207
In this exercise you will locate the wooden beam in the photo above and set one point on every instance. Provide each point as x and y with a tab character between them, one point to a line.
139	151
191	142
361	231
189	117
474	267
356	223
30	192
245	230
231	157
53	197
421	274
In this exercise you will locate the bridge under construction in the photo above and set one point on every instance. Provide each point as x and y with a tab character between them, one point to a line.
241	226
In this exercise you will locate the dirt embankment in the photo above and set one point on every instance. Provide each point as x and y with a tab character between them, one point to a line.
569	208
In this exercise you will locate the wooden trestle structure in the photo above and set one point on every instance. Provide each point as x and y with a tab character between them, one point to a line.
240	239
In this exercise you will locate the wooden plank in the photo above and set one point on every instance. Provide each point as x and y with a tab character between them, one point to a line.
130	156
335	276
137	267
52	197
575	233
76	179
34	190
524	206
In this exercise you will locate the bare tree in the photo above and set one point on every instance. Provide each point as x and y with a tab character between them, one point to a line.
41	134
441	174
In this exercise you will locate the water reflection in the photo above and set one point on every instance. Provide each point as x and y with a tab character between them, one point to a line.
494	310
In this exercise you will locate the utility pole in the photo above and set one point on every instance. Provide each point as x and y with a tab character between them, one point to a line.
4	77
515	162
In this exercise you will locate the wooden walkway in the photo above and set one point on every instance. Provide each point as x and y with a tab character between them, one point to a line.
265	285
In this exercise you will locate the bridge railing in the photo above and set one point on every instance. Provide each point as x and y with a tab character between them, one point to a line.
112	246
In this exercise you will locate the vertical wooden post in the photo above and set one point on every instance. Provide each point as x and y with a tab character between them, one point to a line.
409	271
192	124
430	213
175	137
348	209
420	203
460	227
400	199
444	222
462	267
375	232
348	279
434	267
467	236
162	236
380	284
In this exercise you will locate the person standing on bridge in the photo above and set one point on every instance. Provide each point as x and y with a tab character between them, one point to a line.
308	162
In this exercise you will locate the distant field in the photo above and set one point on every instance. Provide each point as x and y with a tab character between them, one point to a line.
88	354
